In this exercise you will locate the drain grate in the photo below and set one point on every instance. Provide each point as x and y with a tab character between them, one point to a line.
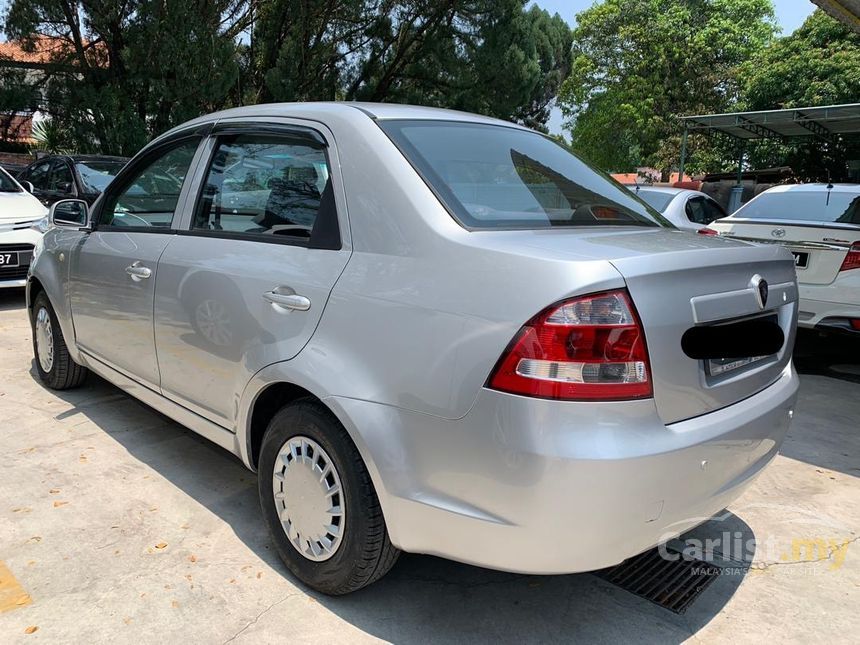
672	584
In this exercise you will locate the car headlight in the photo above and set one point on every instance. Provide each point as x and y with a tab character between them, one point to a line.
41	225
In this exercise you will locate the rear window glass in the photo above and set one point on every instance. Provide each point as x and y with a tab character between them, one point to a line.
655	199
492	176
812	206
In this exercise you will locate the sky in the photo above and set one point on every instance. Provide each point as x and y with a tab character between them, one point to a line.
790	14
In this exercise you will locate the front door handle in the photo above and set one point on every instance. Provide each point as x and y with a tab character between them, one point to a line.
138	272
288	301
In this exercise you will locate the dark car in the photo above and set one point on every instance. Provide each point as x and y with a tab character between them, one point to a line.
65	176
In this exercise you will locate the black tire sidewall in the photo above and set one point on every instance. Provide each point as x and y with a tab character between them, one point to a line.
331	576
42	302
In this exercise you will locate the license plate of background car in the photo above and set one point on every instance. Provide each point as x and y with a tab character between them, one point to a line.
8	259
672	584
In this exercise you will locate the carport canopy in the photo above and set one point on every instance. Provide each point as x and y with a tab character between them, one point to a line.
826	123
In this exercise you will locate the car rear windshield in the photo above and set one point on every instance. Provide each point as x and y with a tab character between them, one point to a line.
491	177
811	206
655	199
6	183
96	175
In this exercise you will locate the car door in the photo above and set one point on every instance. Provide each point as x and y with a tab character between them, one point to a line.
113	269
248	279
61	184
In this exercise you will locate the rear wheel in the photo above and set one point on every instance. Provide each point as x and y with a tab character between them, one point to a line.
319	503
56	368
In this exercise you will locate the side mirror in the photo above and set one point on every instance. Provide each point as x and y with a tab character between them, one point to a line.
27	186
69	213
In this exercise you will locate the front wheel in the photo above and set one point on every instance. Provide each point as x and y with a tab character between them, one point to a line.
56	368
319	503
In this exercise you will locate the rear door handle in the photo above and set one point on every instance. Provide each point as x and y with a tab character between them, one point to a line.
288	301
138	272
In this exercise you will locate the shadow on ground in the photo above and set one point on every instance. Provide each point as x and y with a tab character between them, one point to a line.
423	599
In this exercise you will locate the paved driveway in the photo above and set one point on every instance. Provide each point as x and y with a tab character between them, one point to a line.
119	526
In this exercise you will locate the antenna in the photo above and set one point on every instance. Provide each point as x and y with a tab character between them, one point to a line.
829	187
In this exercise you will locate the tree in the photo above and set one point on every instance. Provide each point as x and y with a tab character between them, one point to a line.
487	56
819	64
639	64
122	72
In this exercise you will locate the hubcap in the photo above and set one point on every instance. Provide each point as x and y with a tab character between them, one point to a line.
44	340
309	498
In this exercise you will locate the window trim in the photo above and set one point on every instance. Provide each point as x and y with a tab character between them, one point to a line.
332	238
131	171
58	163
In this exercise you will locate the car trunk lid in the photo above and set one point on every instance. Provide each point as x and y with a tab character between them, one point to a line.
679	281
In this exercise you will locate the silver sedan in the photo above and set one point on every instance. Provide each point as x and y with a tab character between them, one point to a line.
426	331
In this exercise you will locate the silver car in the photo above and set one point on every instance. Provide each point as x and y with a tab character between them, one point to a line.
427	331
689	210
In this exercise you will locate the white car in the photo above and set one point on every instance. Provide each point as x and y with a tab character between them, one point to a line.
820	224
689	210
23	220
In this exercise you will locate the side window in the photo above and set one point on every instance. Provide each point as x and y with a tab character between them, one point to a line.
38	175
695	210
61	178
150	196
266	185
713	210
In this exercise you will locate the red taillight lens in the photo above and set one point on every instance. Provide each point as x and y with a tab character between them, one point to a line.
852	260
855	323
707	231
587	348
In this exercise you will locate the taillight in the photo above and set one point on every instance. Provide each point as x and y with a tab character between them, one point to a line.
855	324
586	348
852	260
707	231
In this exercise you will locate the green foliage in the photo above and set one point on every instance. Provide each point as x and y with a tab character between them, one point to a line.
638	64
487	56
51	137
120	73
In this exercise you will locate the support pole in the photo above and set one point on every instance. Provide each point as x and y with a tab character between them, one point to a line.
683	153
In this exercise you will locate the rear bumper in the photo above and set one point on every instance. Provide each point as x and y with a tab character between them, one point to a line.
538	486
822	306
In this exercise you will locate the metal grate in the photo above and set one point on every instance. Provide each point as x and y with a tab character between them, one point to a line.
672	584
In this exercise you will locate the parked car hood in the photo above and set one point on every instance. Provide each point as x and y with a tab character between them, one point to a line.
20	207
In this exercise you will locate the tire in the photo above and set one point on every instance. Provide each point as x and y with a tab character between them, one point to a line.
62	372
363	551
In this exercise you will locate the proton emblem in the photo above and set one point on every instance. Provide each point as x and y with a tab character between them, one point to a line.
760	290
778	232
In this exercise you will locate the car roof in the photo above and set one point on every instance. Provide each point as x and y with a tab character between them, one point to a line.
669	190
380	111
814	188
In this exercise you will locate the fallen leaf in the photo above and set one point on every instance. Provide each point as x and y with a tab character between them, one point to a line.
36	538
174	603
54	491
31	629
232	581
58	504
192	558
161	545
259	575
82	459
153	509
127	620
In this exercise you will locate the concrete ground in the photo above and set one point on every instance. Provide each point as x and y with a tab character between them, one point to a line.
119	526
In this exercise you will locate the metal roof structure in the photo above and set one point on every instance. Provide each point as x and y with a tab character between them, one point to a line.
826	123
848	11
822	122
